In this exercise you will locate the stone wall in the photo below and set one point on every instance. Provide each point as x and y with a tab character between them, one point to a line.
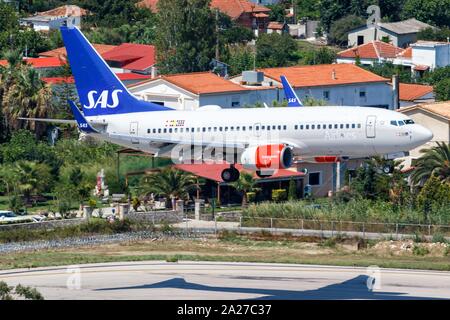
42	225
156	217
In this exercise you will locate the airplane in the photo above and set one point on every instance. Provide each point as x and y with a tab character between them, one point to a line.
261	139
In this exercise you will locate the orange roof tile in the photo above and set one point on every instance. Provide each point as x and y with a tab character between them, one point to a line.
51	62
275	25
233	8
439	108
100	48
407	53
411	92
372	50
65	11
203	83
322	75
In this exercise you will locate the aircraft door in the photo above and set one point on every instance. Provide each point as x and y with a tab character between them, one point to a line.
370	126
134	132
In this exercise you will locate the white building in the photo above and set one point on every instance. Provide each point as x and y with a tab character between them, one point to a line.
194	90
425	55
337	84
400	34
55	18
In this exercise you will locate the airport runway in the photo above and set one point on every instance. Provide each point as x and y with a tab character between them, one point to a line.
209	280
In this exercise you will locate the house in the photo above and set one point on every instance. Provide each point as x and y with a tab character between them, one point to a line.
43	65
369	53
194	90
215	187
400	34
434	116
55	18
62	53
277	27
132	57
412	94
304	29
337	84
425	55
243	12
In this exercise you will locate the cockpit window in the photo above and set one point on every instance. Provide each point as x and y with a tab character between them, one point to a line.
394	123
409	121
401	123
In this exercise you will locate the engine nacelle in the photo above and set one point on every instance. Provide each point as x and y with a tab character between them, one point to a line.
272	156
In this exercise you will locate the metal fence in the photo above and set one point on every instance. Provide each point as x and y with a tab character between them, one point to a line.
316	227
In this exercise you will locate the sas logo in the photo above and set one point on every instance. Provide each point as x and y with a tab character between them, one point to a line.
292	100
102	99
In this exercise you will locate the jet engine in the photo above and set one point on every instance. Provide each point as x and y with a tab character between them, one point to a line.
268	157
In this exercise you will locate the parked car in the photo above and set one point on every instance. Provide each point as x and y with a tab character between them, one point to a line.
10	217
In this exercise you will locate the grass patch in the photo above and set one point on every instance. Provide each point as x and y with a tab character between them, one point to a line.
420	251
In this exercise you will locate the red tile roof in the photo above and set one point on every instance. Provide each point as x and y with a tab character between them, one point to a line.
37	63
132	56
275	25
407	53
322	75
61	52
121	76
439	108
411	92
213	171
203	83
233	8
372	50
65	11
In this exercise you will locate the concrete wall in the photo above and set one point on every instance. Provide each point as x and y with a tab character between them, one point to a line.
156	217
438	125
402	40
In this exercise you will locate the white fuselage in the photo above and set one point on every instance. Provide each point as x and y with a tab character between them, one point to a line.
311	131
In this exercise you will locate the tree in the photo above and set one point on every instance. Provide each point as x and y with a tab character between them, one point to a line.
277	13
186	35
240	58
308	9
432	34
245	184
20	291
339	29
435	194
434	12
322	56
275	50
442	90
33	178
434	161
170	183
388	69
292	191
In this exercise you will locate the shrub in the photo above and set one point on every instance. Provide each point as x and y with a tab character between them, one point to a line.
10	293
330	243
279	195
251	196
172	259
439	237
420	251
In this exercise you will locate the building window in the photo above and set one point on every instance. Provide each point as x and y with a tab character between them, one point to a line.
326	95
362	94
360	40
315	178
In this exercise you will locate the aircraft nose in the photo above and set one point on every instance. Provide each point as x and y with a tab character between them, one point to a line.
422	134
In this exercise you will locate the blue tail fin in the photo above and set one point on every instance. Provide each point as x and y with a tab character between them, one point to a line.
99	89
82	124
291	96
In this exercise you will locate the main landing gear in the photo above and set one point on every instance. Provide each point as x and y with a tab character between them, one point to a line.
230	174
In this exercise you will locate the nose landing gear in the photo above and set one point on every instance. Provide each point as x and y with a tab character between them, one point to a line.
230	174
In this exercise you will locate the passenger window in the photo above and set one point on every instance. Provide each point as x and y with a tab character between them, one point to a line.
353	126
318	126
359	125
295	127
307	127
237	128
279	127
330	126
192	129
204	129
215	129
148	130
181	130
342	126
170	130
226	128
165	130
335	126
220	128
154	130
159	130
176	130
250	128
209	129
263	127
268	128
231	128
243	128
347	126
284	127
301	127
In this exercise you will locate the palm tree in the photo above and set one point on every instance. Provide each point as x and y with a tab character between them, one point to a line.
435	161
8	176
246	183
33	178
170	183
24	94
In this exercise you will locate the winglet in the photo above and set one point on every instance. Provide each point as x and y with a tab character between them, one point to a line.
82	123
291	96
